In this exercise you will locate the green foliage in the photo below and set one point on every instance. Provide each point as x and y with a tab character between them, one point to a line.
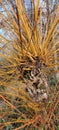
58	127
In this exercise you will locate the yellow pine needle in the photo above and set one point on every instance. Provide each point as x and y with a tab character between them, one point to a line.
50	33
14	56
